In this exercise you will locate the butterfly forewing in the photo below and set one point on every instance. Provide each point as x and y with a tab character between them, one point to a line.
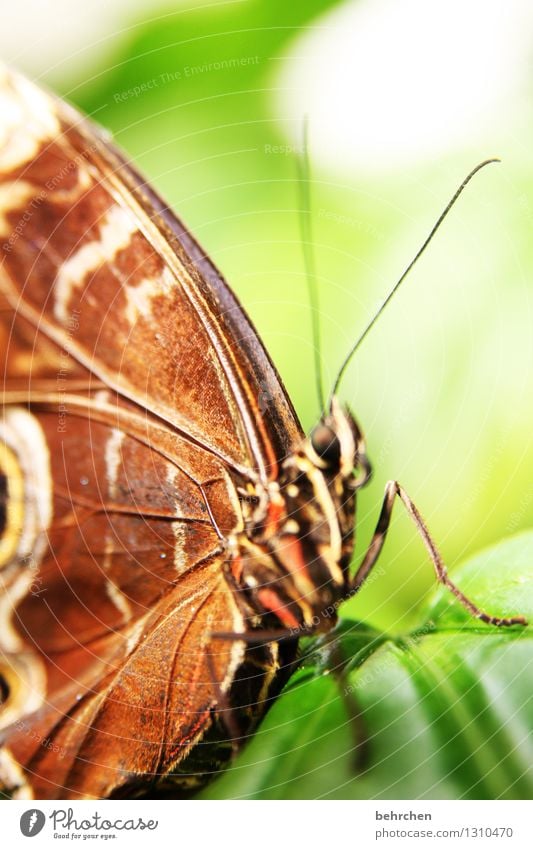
96	262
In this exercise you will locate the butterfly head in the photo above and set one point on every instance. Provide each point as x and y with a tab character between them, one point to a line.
336	447
294	557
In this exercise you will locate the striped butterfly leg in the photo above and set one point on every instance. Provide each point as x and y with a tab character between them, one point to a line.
228	714
392	490
267	667
358	727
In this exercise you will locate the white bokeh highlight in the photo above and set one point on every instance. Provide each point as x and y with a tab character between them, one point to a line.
390	83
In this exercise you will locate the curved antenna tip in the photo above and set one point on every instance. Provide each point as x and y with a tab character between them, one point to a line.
440	219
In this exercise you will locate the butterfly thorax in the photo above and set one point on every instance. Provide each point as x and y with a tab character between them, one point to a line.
291	561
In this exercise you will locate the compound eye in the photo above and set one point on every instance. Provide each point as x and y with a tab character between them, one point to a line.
326	444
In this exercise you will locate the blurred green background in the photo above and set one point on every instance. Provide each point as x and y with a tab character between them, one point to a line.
209	103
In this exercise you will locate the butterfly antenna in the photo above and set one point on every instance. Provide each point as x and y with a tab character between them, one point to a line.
306	233
397	285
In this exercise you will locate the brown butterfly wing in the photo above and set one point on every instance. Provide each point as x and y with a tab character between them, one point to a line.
130	705
142	375
104	270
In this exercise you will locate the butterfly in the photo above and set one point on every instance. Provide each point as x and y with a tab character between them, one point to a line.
167	530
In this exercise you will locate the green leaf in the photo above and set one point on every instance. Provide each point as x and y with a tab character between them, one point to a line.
447	708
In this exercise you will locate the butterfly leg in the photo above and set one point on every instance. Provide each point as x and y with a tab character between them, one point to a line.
227	714
393	490
358	727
